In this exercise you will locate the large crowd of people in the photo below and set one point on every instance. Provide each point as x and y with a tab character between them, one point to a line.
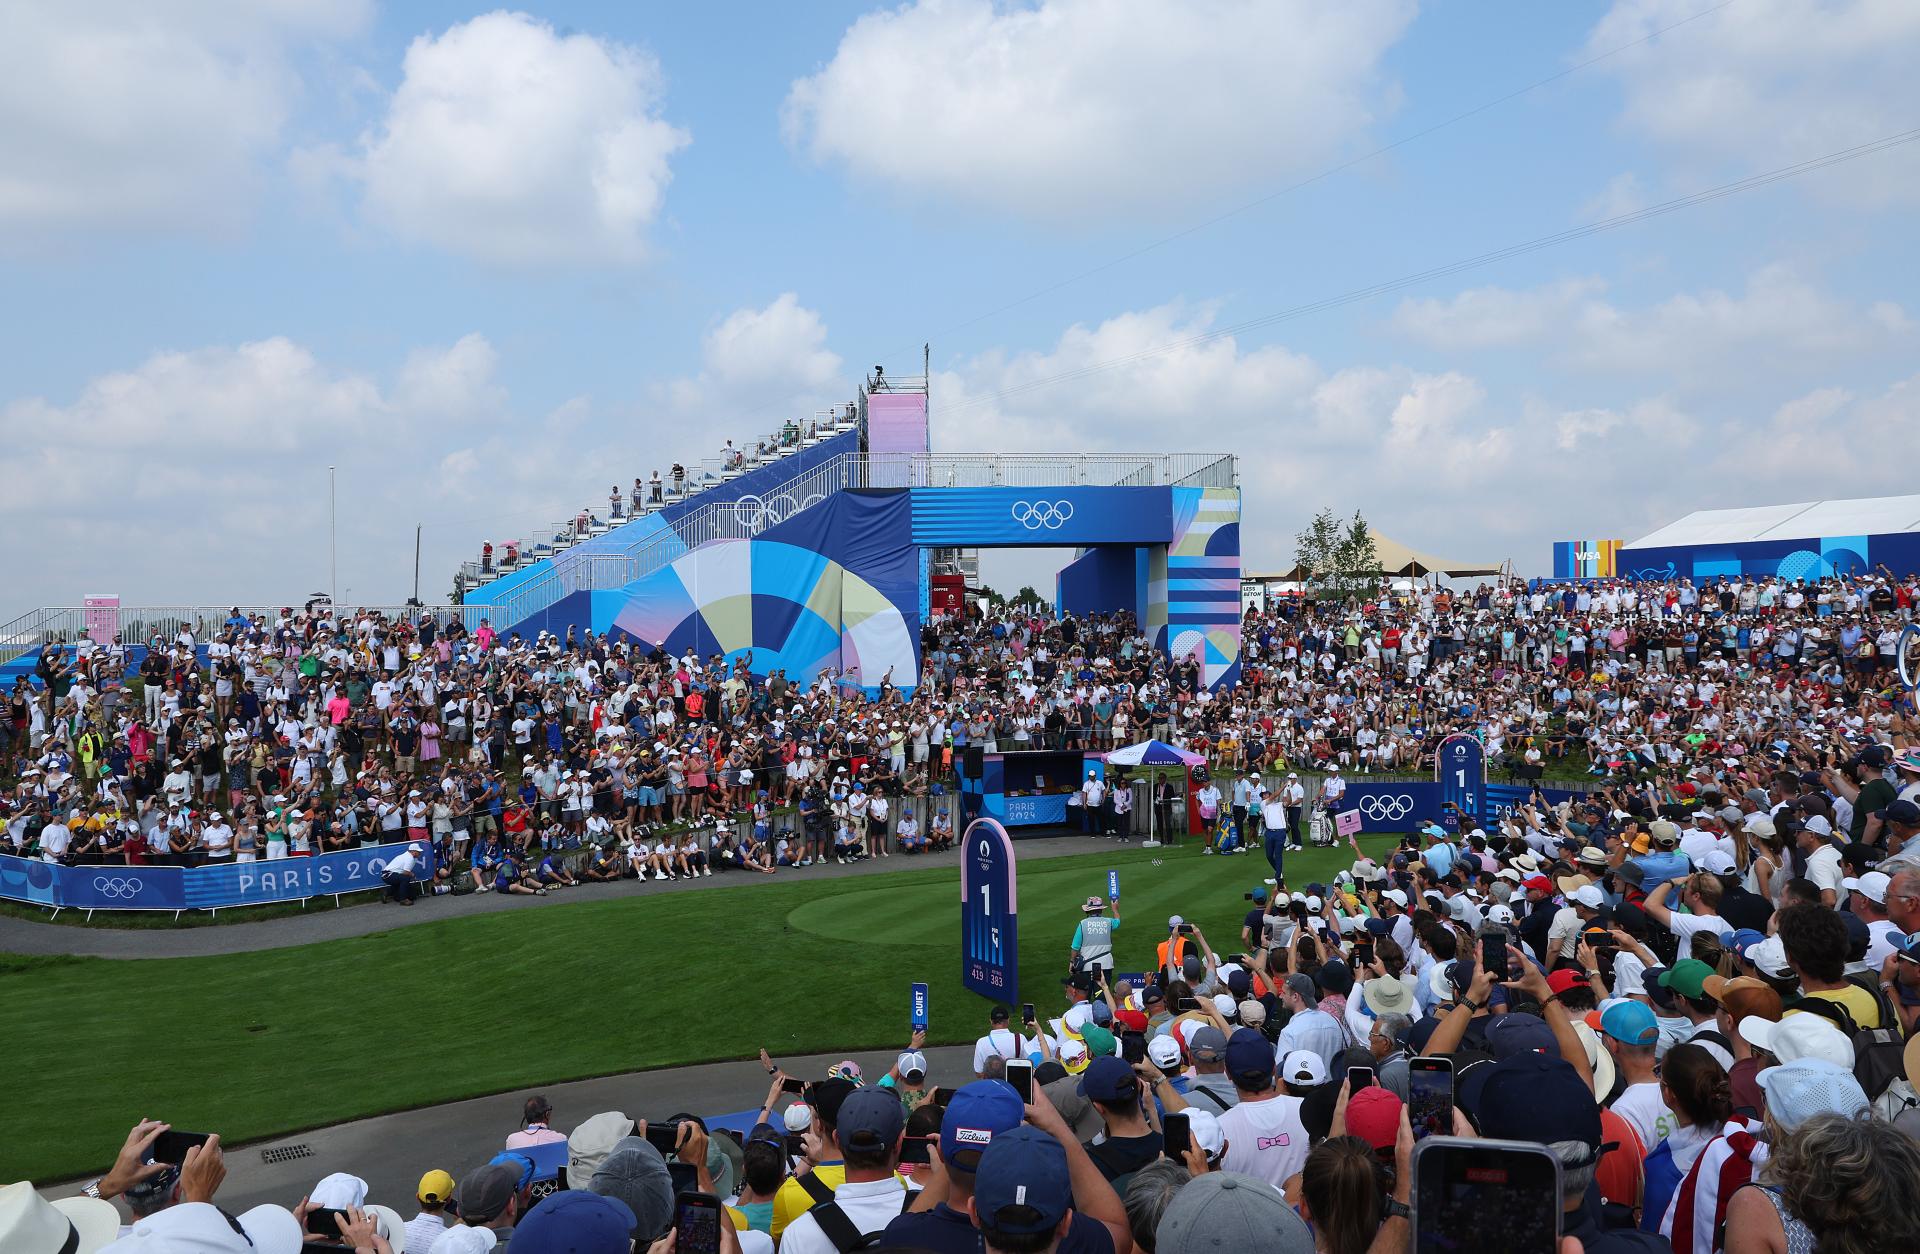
1695	986
311	731
1707	1040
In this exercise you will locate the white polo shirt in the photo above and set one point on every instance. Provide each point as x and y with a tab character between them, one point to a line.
871	1207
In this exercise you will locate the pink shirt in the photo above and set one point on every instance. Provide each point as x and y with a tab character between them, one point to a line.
533	1134
338	709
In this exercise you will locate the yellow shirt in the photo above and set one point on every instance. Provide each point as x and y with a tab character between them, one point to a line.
1858	1002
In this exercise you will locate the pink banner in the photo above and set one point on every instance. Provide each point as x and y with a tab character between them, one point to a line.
103	616
1347	822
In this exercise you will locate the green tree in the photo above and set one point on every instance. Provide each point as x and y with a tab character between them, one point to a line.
1338	560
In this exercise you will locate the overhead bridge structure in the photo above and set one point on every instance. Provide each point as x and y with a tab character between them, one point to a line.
825	566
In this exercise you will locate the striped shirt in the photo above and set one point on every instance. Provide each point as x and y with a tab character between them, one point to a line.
1696	1218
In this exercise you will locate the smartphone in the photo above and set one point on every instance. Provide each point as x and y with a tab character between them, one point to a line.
796	1144
913	1149
324	1223
1133	1048
172	1147
1186	929
1500	1197
941	1097
1020	1076
1430	1090
1358	1078
1493	943
1188	1003
696	1223
664	1137
793	1084
1362	955
1026	1013
1175	1135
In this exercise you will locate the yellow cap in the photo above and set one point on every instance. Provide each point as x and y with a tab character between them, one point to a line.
436	1188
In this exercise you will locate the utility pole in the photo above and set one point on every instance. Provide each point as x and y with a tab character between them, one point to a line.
416	563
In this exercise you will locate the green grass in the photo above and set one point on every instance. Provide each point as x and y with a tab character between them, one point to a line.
256	1045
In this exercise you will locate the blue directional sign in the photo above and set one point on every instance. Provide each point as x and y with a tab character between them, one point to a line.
989	922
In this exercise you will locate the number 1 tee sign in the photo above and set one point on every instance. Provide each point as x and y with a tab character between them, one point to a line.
989	926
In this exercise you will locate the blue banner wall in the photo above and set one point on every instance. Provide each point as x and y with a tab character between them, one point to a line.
1393	805
989	913
197	888
1049	517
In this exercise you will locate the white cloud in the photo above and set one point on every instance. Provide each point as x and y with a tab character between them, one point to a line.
511	143
1779	320
1763	83
216	460
759	368
1070	107
126	113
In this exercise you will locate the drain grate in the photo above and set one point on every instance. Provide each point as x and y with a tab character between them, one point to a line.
285	1153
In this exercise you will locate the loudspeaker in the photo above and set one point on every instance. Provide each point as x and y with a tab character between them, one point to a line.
974	764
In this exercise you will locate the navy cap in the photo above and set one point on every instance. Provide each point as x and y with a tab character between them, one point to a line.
1516	1032
978	1113
1378	927
1249	1053
1109	1079
1239	983
1538	1097
1903	812
574	1221
870	1119
1022	1185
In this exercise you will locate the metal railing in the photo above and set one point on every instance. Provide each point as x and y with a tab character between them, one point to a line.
1048	470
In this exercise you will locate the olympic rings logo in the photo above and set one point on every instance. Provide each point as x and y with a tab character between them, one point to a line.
117	889
1385	809
1038	515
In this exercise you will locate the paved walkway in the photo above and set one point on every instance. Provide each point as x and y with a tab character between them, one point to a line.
392	1152
25	936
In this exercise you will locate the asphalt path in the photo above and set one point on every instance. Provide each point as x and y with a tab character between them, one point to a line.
392	1152
28	936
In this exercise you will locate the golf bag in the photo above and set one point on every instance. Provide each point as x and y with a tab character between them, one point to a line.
1320	828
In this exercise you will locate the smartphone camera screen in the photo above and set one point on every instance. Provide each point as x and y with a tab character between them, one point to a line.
697	1225
1430	1088
1490	1197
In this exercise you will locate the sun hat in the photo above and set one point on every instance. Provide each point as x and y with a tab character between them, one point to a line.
33	1225
1798	1036
1798	1090
1386	995
203	1228
1224	1210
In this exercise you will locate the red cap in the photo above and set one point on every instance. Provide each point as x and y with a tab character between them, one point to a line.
1373	1115
1135	1020
1539	883
1563	979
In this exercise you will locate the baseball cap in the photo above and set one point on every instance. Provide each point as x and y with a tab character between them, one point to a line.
635	1173
575	1221
1164	1051
1538	1097
1516	1032
1108	1079
1798	1090
1303	1068
978	1113
870	1119
1872	886
435	1188
1630	1023
1373	1115
1022	1184
485	1191
1537	883
199	1227
1563	979
912	1064
1249	1054
1742	940
1100	1041
1207	1044
1073	1056
1589	896
1798	1036
1770	956
1224	1210
1687	977
1743	996
1901	811
1302	987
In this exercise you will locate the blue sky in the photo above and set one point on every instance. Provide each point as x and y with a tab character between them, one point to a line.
488	261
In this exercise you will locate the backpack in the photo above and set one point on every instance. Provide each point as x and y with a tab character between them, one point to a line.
1879	1054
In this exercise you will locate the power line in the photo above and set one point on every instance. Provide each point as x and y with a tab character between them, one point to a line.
1571	235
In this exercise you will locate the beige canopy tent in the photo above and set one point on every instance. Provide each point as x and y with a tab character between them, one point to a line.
1397	559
